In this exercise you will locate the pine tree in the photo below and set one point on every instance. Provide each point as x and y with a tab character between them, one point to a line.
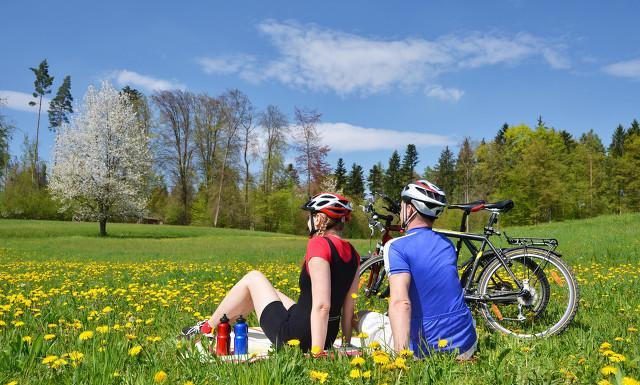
445	172
500	137
355	183
60	106
341	175
616	148
409	162
376	179
392	180
634	129
42	87
465	169
569	143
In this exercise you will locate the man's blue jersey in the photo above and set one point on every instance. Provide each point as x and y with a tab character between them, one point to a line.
438	310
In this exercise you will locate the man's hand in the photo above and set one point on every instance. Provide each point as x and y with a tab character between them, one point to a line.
400	309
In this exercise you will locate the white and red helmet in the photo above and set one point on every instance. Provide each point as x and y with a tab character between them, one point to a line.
426	197
335	206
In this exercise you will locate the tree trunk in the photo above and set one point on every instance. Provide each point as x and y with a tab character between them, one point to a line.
34	173
224	164
103	227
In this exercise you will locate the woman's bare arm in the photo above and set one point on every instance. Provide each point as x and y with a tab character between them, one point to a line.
348	311
320	273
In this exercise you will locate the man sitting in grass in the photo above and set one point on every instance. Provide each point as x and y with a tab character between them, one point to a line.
427	311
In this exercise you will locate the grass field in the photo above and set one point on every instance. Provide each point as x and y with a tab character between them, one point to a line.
76	308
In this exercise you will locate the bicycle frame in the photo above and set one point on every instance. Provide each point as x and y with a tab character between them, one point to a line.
463	238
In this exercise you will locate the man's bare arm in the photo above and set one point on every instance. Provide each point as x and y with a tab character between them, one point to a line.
400	309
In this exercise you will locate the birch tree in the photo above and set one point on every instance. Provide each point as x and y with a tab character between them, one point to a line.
311	158
176	148
102	160
235	106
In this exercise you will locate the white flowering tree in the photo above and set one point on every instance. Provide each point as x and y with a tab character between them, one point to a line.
102	159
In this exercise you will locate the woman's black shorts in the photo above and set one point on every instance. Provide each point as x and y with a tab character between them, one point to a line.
272	318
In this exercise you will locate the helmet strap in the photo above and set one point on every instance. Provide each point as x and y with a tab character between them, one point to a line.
407	221
313	225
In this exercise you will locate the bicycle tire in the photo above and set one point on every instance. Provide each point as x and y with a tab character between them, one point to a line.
523	253
369	263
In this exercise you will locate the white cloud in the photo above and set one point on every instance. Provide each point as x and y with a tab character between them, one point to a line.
444	94
347	137
225	65
126	77
19	101
628	69
315	58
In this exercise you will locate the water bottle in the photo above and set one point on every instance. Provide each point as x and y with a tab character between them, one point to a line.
223	338
241	341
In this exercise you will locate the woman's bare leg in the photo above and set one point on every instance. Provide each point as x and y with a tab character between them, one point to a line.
252	292
286	301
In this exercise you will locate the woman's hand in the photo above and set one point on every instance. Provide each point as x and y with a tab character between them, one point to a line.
320	273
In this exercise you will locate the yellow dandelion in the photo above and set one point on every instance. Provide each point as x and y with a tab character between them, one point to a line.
102	329
631	329
400	363
319	376
619	339
49	359
616	357
134	351
60	362
607	370
374	345
293	342
14	382
76	356
189	383
354	295
358	361
406	353
630	381
605	346
366	374
107	310
443	343
608	353
86	335
160	377
27	339
355	373
52	326
604	382
315	349
362	335
49	337
380	359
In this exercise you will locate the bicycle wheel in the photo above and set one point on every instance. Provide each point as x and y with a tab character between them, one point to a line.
373	285
544	307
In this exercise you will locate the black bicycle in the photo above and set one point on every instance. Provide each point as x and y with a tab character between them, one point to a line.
525	290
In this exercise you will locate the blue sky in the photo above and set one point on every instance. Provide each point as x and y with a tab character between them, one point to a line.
383	74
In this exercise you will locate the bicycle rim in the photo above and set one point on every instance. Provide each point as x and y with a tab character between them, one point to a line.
540	311
371	273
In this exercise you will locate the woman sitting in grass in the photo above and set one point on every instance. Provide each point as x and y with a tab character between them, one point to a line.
328	277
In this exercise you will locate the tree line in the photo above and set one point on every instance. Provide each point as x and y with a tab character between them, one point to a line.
216	160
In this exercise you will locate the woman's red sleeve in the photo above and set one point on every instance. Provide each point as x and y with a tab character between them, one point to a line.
317	247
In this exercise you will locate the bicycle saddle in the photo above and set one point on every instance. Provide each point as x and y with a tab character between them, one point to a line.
470	207
502	206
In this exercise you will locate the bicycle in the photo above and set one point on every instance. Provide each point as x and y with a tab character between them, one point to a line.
525	290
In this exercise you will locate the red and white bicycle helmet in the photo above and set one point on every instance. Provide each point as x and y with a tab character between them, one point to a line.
426	197
334	205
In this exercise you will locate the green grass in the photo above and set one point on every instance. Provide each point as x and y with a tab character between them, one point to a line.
160	278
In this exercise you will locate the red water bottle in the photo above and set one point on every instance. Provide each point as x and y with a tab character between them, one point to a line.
223	338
